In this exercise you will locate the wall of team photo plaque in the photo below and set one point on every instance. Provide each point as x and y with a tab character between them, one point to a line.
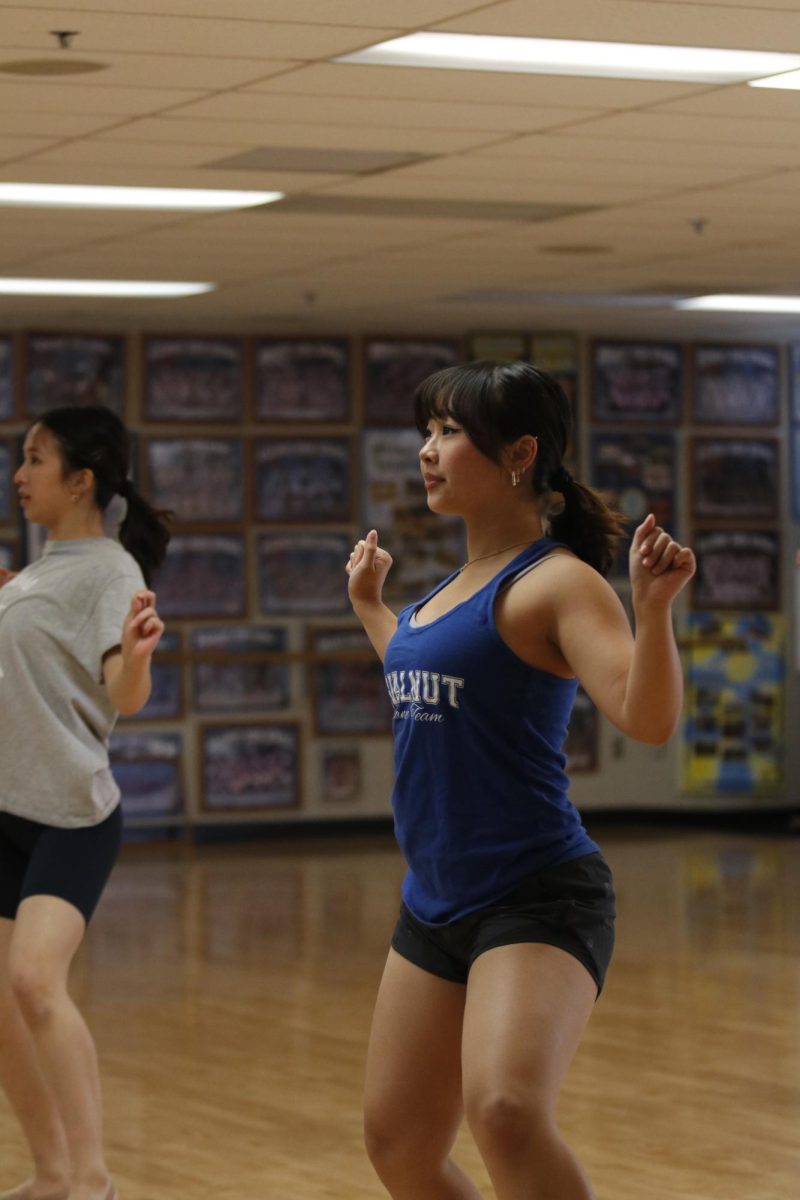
274	454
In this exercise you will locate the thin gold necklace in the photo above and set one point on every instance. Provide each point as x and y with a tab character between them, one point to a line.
493	554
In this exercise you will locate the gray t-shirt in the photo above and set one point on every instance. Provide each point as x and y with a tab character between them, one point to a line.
58	618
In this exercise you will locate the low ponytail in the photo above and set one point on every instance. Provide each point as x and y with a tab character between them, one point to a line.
144	531
94	438
586	523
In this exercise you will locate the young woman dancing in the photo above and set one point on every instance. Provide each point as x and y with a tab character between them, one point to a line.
77	632
507	920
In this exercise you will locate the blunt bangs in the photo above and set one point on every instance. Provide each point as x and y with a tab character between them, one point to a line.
470	395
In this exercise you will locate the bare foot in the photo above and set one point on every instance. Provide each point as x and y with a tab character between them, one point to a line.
37	1190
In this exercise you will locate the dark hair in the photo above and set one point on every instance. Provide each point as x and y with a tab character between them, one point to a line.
497	403
94	438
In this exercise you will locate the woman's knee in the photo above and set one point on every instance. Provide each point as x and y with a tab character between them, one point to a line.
396	1145
508	1120
34	991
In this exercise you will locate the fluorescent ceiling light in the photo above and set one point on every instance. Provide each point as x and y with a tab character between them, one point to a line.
744	304
57	195
101	287
555	56
789	79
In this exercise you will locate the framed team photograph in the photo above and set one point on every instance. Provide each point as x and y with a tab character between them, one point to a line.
425	548
302	380
733	723
9	554
341	780
735	385
148	771
637	472
794	384
347	684
302	479
8	466
166	672
61	369
559	355
249	768
193	379
637	382
737	569
240	669
583	735
203	576
303	573
497	347
735	478
8	407
393	368
200	480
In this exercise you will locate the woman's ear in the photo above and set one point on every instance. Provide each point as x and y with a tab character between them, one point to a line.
521	455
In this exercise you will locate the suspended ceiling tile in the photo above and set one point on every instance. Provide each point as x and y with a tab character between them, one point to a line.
754	5
47	96
576	169
762	104
153	33
259	107
101	153
472	87
409	139
579	144
755	28
52	126
542	191
196	72
680	128
14	148
388	13
779	188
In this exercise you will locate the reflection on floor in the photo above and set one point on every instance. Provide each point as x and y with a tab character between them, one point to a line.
230	989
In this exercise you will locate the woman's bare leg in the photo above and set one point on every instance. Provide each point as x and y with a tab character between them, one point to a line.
527	1007
413	1105
46	935
24	1084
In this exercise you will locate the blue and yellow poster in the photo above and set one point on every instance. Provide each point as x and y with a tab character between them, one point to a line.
733	718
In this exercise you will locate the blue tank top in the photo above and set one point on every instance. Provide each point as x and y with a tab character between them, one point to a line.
480	797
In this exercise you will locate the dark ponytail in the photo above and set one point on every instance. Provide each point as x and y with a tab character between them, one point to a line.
497	403
94	438
586	524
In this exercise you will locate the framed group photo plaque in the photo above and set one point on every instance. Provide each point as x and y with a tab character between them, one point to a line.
297	380
238	669
250	768
737	569
735	385
393	371
735	478
62	369
7	379
347	683
200	480
193	379
302	479
637	382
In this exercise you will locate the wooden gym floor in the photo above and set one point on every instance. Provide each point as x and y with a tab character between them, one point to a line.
230	988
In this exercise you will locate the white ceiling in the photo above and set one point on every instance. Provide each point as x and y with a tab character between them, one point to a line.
188	84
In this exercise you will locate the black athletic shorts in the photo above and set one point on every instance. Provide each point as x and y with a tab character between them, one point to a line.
43	860
570	906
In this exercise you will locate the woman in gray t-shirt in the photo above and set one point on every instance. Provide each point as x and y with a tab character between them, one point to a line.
77	632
